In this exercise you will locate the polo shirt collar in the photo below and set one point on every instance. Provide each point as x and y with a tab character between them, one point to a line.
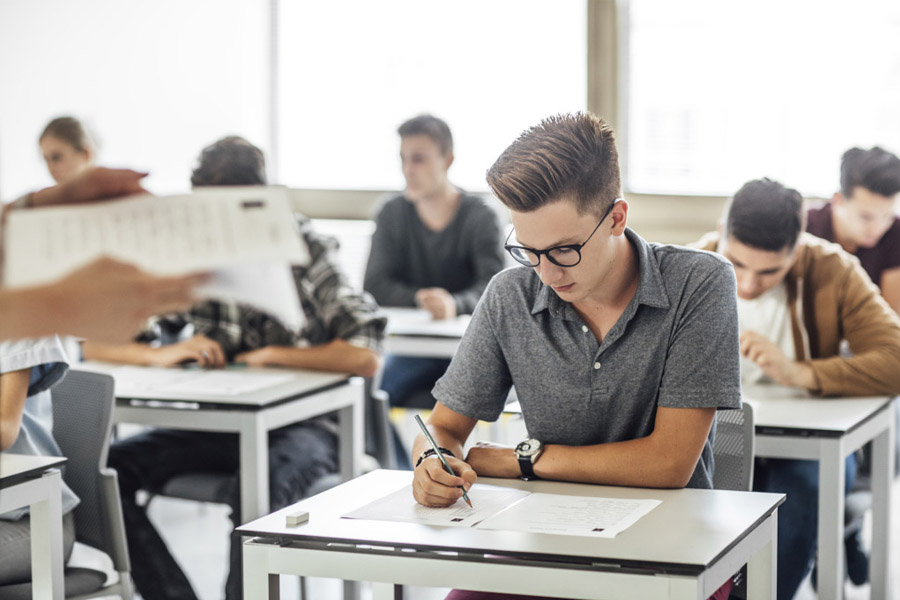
651	290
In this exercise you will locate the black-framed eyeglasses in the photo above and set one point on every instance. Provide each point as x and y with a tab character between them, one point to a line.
562	256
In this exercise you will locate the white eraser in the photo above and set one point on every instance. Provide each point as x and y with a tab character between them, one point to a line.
297	518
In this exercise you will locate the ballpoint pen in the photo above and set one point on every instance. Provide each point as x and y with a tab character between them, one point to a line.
440	455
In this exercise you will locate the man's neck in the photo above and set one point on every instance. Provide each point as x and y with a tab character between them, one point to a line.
841	237
603	308
438	209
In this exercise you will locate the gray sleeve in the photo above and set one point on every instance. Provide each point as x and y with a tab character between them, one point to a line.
382	278
478	380
487	249
703	361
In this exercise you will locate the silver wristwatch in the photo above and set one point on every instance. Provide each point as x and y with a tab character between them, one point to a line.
528	451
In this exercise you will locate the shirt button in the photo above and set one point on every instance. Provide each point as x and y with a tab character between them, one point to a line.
584	328
596	366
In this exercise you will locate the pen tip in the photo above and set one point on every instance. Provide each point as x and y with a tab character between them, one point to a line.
469	502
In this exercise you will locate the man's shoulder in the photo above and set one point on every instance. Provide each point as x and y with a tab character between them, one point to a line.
694	260
821	262
514	282
819	251
475	208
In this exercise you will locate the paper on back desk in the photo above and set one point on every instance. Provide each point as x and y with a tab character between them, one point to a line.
245	236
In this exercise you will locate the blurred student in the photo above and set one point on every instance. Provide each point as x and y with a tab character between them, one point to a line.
799	298
342	333
862	217
105	300
435	246
28	369
67	148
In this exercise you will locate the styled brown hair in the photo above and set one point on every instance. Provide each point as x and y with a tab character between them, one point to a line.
230	161
71	131
566	155
435	128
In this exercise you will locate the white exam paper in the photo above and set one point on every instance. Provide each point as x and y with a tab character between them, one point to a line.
571	515
401	506
419	322
141	381
245	236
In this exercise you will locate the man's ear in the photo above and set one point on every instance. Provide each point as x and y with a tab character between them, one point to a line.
838	199
619	215
448	160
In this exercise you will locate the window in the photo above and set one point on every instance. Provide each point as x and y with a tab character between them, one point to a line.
154	80
352	71
723	92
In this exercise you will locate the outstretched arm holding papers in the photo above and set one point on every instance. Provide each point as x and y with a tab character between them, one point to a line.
106	299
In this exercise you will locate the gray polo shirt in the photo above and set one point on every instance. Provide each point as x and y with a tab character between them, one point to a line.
676	345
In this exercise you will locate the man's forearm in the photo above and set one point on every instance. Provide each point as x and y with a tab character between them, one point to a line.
338	356
30	312
129	354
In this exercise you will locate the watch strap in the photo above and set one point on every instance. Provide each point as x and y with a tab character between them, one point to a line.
430	452
527	468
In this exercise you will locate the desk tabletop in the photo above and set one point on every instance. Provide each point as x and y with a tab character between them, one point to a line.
686	533
782	410
414	322
234	385
17	467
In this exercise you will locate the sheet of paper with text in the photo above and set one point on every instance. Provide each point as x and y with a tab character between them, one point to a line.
246	237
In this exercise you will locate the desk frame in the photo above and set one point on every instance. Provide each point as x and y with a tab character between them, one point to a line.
831	451
43	494
253	423
389	565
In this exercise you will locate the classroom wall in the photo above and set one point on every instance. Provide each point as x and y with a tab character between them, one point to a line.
668	219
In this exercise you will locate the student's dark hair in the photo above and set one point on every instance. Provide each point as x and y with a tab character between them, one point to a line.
71	131
876	170
431	126
230	161
566	155
765	215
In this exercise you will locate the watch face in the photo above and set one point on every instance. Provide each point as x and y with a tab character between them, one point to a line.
528	447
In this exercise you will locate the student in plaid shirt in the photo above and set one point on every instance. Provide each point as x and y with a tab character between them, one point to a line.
341	333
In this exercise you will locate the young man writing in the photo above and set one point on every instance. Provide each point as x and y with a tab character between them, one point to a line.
620	350
799	298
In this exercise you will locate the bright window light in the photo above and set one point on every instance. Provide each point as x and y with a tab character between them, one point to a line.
723	92
352	71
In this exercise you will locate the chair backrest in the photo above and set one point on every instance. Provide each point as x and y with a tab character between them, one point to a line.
733	449
82	419
379	441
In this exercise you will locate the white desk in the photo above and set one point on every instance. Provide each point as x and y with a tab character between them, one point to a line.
684	548
260	400
33	481
790	424
412	332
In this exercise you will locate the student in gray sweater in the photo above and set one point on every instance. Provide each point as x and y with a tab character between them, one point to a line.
435	246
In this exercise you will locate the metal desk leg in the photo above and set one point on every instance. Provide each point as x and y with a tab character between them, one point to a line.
47	540
254	469
882	479
762	568
386	591
351	422
832	478
258	582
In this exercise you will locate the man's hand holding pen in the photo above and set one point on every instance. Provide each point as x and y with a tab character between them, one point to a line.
433	486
